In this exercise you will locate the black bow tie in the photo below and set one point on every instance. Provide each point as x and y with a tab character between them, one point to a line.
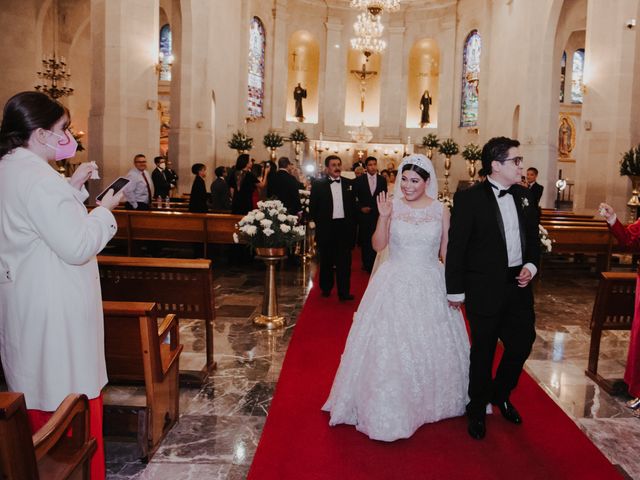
334	181
502	193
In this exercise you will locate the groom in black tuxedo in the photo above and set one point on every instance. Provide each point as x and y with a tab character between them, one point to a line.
366	188
332	207
492	256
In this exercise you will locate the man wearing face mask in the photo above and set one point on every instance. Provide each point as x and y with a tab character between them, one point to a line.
161	186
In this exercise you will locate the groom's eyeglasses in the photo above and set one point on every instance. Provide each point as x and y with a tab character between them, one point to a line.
517	161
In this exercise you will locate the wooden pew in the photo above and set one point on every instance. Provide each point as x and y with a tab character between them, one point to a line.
585	239
138	349
180	286
550	213
172	226
50	453
612	310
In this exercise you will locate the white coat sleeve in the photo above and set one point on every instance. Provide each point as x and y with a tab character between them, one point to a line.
64	225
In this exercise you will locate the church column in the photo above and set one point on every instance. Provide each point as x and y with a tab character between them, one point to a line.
391	93
123	120
279	76
609	106
334	79
191	136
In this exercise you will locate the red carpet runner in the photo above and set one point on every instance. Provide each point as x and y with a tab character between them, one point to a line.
297	442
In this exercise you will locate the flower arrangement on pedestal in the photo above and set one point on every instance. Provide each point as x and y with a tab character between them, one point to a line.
430	142
269	226
240	142
272	141
448	148
471	153
298	135
630	166
545	240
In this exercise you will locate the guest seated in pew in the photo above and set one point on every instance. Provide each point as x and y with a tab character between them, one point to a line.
220	196
51	322
629	236
198	198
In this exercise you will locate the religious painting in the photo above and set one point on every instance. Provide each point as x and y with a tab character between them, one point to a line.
563	71
166	55
577	76
566	137
255	93
470	80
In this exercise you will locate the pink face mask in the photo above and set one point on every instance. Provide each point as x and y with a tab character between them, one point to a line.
65	148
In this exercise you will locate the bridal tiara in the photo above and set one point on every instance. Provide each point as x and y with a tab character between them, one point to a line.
417	159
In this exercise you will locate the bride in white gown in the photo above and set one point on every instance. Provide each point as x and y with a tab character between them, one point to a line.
406	360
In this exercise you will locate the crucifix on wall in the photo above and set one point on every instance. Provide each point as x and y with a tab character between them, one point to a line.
362	75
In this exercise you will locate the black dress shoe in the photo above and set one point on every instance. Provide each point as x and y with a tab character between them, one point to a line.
346	298
325	293
509	412
476	428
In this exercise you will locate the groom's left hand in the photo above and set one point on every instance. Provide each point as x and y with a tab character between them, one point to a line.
524	277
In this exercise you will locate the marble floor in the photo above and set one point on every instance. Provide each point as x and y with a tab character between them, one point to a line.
221	423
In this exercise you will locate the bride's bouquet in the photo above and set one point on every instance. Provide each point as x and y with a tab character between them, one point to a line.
545	240
269	226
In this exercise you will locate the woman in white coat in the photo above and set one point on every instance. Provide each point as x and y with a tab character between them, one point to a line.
51	323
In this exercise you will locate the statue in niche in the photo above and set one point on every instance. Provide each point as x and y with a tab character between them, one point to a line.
565	133
425	101
298	94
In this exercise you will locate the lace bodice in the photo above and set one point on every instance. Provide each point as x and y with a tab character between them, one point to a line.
415	233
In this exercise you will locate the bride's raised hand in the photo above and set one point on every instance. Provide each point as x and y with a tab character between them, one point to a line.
385	204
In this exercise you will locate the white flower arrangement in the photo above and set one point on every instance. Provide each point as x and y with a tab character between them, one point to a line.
269	226
545	240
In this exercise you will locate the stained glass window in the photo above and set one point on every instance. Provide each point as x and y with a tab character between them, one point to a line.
470	79
577	72
166	57
255	94
563	72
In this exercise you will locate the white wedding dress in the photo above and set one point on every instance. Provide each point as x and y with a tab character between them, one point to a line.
406	360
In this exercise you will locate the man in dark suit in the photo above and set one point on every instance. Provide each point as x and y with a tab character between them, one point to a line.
283	186
534	187
161	186
366	189
333	209
492	256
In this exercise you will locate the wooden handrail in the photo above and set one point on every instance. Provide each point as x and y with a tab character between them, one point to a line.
198	263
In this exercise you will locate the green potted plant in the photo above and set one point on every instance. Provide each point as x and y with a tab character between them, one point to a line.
630	166
241	142
272	141
471	153
430	142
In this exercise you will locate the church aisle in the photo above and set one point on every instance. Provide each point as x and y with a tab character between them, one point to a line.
221	423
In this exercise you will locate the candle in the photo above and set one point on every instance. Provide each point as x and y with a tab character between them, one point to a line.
320	136
408	140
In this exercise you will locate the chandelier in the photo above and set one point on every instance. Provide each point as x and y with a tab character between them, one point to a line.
361	135
368	25
54	76
368	45
376	7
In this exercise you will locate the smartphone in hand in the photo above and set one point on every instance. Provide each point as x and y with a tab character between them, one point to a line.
117	185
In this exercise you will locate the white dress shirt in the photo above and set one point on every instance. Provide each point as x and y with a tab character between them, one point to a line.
336	193
372	182
136	191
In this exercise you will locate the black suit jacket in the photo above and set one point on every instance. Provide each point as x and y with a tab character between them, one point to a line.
321	209
477	262
198	197
363	192
536	192
161	186
284	187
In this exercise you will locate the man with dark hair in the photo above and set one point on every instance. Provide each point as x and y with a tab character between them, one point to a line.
283	186
220	195
161	186
138	190
492	256
366	189
534	187
333	209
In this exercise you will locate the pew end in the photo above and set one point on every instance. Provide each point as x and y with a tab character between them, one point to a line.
613	309
50	453
137	349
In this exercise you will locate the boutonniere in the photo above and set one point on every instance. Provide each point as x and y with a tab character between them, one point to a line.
525	202
349	188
